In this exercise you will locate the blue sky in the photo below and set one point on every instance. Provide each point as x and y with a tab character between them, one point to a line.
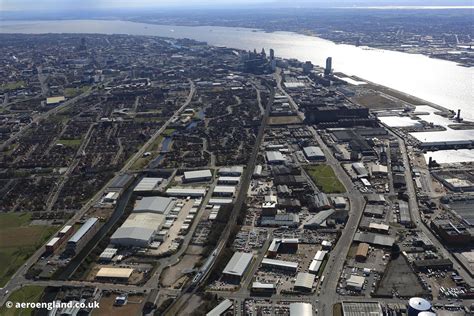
59	5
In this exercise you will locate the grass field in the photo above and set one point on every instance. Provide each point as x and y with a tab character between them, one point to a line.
18	241
25	294
72	92
70	142
325	179
12	85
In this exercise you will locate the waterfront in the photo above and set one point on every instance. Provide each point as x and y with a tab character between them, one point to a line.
437	81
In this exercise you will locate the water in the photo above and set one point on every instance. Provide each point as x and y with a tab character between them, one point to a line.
437	81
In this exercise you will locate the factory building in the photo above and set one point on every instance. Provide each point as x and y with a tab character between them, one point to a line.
290	220
304	282
275	157
147	186
301	309
360	170
83	235
319	201
451	232
263	288
362	252
154	204
197	176
224	190
185	192
314	153
114	274
285	245
228	180
355	283
235	171
237	265
280	265
318	220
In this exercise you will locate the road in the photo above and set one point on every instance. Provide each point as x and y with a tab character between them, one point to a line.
18	277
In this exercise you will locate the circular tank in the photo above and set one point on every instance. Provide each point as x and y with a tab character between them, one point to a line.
426	314
417	305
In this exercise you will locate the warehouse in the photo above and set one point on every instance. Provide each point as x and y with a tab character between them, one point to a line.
151	221
318	220
154	204
362	308
132	237
362	252
319	201
379	170
314	153
148	185
197	176
374	211
224	190
360	170
220	309
108	254
314	266
304	282
263	288
375	239
257	172
228	180
235	171
275	157
83	235
280	264
115	274
285	245
185	192
339	202
320	255
53	244
379	228
237	265
301	309
290	220
355	283
220	201
405	218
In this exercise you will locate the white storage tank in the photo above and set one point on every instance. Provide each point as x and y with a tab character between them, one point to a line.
416	305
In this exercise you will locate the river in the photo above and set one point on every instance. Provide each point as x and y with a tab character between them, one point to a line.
437	81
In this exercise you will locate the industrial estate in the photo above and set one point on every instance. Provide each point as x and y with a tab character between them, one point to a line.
170	177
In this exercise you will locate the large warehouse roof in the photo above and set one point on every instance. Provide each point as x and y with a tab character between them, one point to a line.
313	152
148	184
155	204
375	239
274	156
280	263
145	220
238	263
83	230
132	233
304	280
221	308
175	191
361	308
197	174
121	273
301	309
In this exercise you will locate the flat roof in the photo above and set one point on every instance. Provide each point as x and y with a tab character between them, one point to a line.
233	169
320	255
274	156
220	201
135	233
65	229
148	184
375	239
228	178
356	281
145	220
260	285
119	273
53	241
313	151
83	229
238	263
361	308
176	191
156	204
198	174
224	189
314	266
54	100
280	263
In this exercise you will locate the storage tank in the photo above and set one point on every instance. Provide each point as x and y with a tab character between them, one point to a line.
416	305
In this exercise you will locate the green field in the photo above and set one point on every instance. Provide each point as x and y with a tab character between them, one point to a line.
70	142
12	85
72	92
325	179
18	241
25	294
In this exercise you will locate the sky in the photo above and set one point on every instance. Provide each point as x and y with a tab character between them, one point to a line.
59	5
